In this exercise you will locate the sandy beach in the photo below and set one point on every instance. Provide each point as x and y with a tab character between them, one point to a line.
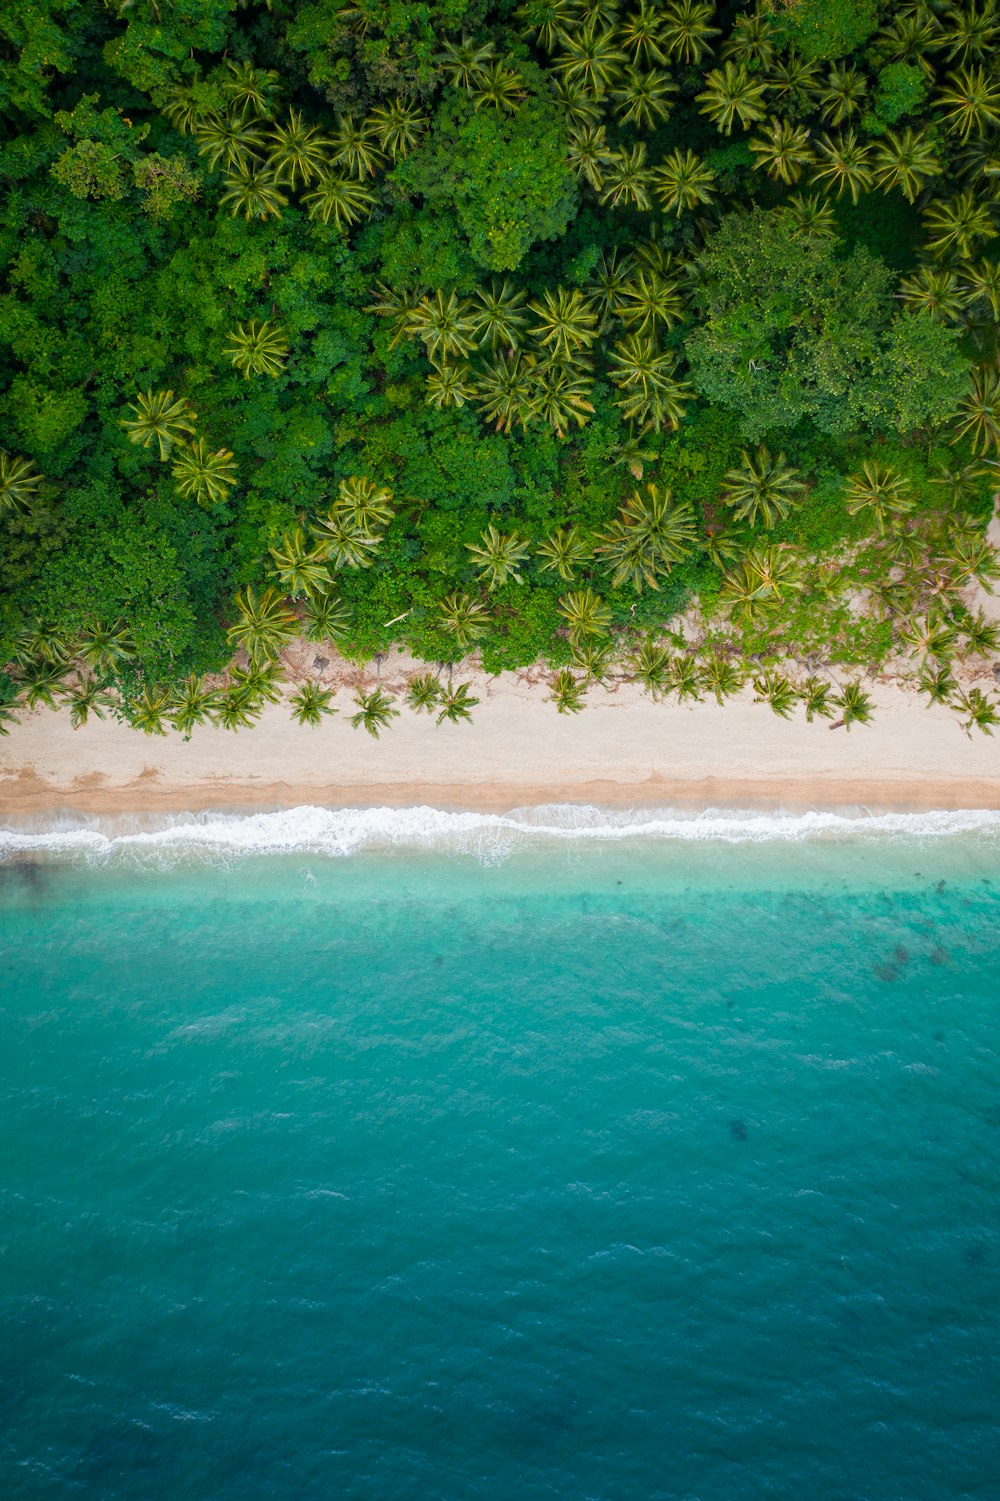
622	749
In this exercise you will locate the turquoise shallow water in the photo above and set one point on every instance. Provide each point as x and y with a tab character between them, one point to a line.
654	1169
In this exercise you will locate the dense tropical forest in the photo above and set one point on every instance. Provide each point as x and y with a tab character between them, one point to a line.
528	330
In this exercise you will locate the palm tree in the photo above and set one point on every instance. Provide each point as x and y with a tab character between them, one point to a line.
650	394
761	579
979	711
310	702
265	624
39	681
640	34
250	91
376	712
646	299
959	485
159	419
562	396
683	181
650	666
732	94
585	614
610	275
721	546
20	483
640	365
591	57
568	693
782	150
843	164
565	321
42	642
298	153
258	348
685	679
904	159
445	324
686	29
957	224
203	476
970	32
456	704
399	126
978	417
816	698
260	683
589	154
326	617
564	551
87	697
775	689
855	706
751	40
627	179
911	38
423	693
578	105
252	191
355	146
149	713
878	489
463	618
594	658
794	79
231	140
301	568
652	532
369	505
930	635
844	95
971	560
462	62
449	385
236	709
643	98
937	682
8	704
497	557
983	285
500	87
971	100
505	391
345	542
809	217
342	199
183	105
721	677
192	704
982	636
498	315
105	649
762	488
630	454
934	291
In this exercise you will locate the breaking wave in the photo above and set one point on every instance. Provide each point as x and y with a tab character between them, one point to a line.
341	832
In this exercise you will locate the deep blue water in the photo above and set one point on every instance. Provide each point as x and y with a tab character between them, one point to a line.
644	1171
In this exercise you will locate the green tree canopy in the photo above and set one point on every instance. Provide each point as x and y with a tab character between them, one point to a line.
503	177
796	329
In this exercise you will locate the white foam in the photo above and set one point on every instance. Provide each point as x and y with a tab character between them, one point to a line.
342	832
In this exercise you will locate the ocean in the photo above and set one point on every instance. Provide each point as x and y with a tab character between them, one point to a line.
426	1156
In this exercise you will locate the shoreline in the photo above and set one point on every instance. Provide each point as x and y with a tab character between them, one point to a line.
32	798
624	750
